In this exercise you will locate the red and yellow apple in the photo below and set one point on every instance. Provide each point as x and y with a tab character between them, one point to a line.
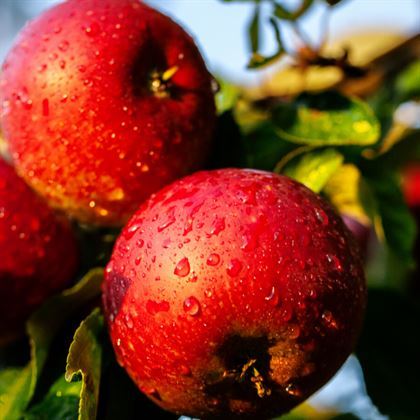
233	293
103	103
38	253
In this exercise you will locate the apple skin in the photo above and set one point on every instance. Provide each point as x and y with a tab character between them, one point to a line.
225	267
39	254
85	128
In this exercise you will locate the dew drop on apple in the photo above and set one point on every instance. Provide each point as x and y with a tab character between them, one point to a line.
234	267
334	262
192	306
130	232
322	216
182	269
213	259
272	298
154	307
293	390
217	226
185	370
169	220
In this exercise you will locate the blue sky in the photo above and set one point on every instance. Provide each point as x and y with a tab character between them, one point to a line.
219	27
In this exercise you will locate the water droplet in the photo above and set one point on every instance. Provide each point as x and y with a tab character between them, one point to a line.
92	29
154	307
234	267
129	322
129	233
249	241
62	64
294	332
140	243
42	68
334	262
192	306
169	221
293	390
81	68
151	392
273	297
321	216
137	261
213	259
182	269
217	226
63	46
185	370
208	293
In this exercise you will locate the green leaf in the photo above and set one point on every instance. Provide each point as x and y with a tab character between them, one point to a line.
315	168
254	29
84	361
327	118
264	149
17	385
258	60
397	223
282	13
227	96
408	82
389	353
346	191
60	403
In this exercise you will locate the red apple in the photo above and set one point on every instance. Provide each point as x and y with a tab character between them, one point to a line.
103	103
233	293
38	253
411	185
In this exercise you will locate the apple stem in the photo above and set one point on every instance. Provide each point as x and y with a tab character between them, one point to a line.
256	378
159	81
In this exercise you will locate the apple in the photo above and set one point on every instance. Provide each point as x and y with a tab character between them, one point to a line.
411	185
233	293
104	102
38	253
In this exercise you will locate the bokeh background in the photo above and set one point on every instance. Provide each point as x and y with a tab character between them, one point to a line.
220	30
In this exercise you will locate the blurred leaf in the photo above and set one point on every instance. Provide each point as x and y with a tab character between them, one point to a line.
315	168
258	60
408	82
17	385
15	391
327	118
399	227
254	30
227	96
345	192
60	403
264	148
84	362
282	13
388	352
250	117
